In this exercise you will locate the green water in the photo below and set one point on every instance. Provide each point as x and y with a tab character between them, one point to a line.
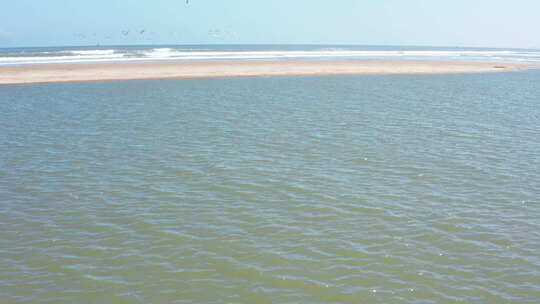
356	189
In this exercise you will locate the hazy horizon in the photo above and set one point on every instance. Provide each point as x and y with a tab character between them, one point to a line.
270	44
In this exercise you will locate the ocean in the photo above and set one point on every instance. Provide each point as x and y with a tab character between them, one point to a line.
18	56
321	189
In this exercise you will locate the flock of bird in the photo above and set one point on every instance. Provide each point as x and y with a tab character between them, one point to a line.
124	33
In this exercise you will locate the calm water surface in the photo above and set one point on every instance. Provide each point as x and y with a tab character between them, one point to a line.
354	189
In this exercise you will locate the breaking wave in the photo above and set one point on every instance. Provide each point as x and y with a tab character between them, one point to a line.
66	55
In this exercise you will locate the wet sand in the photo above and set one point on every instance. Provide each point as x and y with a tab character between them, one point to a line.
77	72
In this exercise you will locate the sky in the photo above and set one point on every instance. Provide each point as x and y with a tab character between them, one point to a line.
478	23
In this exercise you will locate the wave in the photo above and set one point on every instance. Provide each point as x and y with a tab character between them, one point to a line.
183	53
93	52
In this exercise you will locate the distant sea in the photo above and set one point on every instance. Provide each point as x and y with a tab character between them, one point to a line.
254	52
322	189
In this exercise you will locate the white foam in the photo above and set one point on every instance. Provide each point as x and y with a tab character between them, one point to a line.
169	53
93	52
58	59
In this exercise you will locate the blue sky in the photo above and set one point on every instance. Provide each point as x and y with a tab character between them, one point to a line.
495	23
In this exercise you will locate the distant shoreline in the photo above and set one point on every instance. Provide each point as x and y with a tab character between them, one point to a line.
116	71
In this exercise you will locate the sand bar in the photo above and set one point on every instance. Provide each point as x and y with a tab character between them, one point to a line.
208	69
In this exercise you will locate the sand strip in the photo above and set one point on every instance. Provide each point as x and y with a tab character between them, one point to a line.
209	69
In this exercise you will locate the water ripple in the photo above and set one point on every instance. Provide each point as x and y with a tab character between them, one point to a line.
369	189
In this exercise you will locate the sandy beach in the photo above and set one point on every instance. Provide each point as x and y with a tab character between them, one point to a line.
23	74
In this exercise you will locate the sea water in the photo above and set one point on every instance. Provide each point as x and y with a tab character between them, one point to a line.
327	189
17	56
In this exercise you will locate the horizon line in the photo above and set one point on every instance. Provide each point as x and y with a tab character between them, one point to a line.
263	44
